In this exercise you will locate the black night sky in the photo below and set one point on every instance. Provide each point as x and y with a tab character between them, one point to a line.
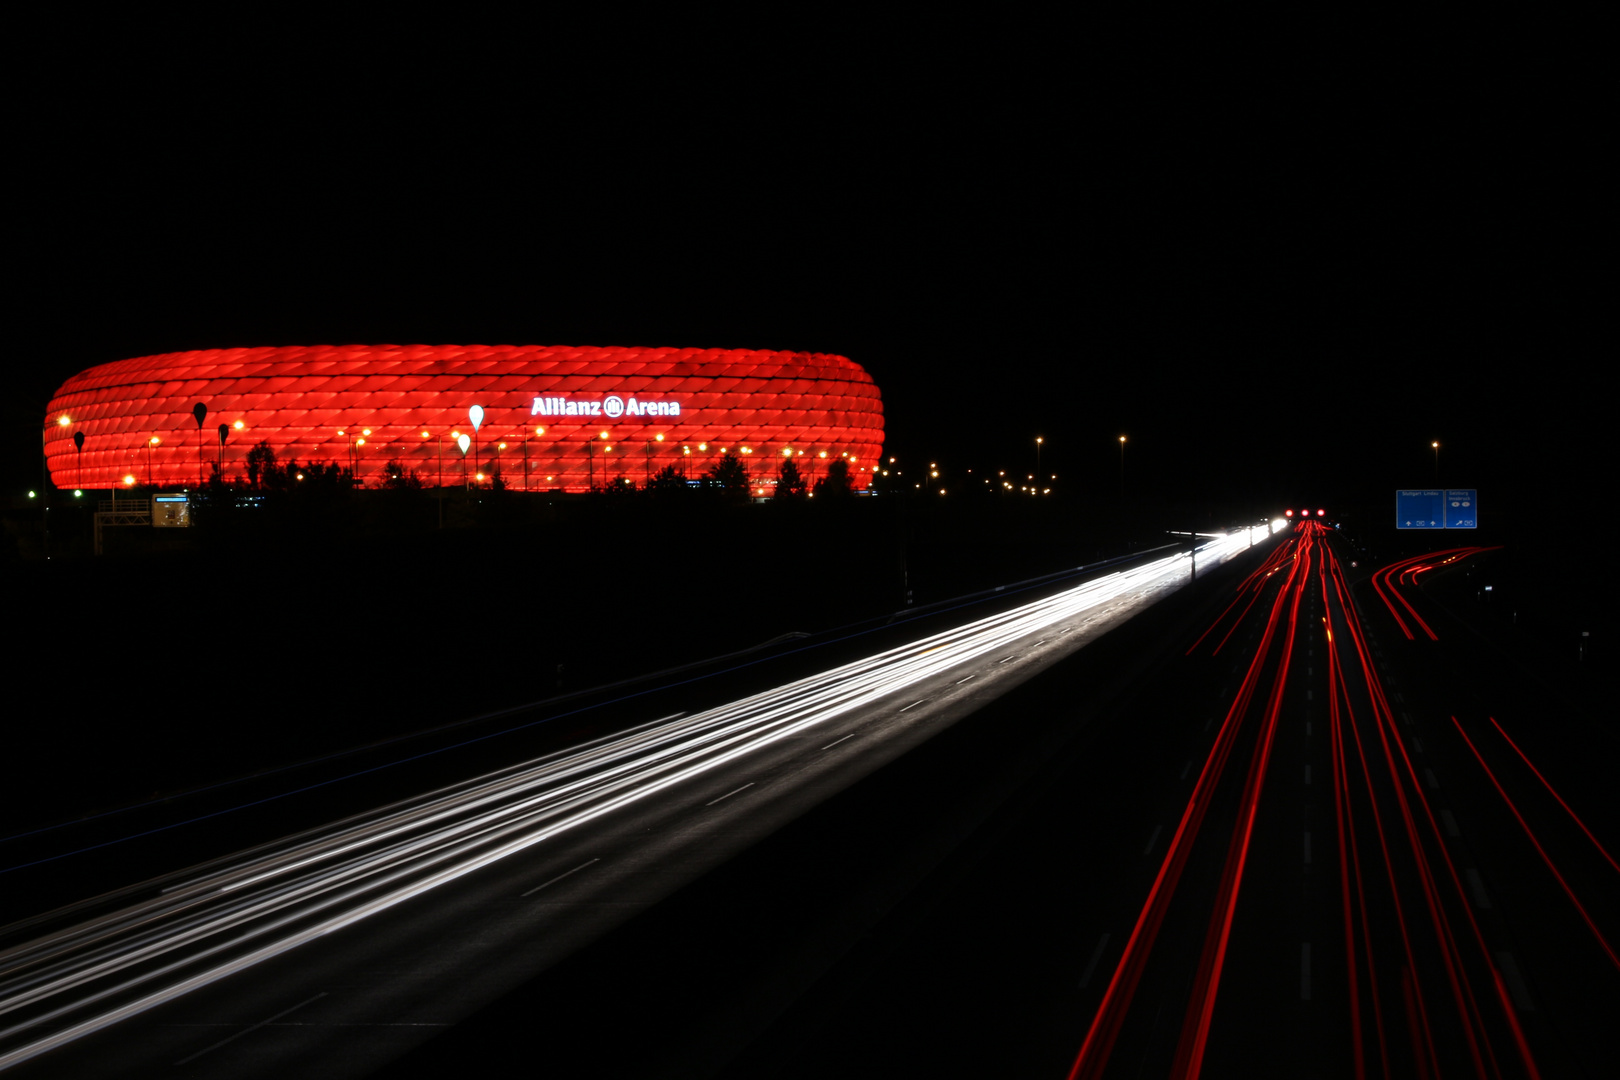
1282	259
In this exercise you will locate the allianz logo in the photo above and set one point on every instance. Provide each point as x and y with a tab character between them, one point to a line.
611	407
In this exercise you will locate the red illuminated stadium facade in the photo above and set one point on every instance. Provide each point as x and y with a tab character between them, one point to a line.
555	417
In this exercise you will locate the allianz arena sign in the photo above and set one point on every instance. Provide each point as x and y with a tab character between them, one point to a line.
613	407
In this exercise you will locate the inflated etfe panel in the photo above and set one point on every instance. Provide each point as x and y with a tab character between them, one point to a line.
554	417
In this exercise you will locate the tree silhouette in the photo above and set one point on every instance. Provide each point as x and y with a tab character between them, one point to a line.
261	463
397	478
665	480
836	483
790	482
729	475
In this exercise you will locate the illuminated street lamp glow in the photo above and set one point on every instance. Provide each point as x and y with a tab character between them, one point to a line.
476	415
463	442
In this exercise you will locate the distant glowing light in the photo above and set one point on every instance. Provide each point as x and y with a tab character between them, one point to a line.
476	415
463	442
64	421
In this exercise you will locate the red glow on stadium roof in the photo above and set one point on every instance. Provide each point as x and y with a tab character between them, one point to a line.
656	406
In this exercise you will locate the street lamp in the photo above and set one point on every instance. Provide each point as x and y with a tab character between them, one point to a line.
537	431
476	414
153	441
1436	445
1122	468
1038	441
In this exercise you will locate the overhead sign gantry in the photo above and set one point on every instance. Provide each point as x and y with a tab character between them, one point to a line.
1437	508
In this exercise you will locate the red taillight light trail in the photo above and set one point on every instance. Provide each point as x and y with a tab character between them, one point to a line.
1400	936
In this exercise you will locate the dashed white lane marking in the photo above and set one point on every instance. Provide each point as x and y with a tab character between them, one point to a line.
1307	849
1450	823
1152	840
1515	982
959	682
1305	971
913	705
1008	660
559	877
1481	899
1400	697
1091	966
1417	744
1307	728
838	740
1185	769
729	794
1308	696
1428	774
1307	774
246	1031
1406	718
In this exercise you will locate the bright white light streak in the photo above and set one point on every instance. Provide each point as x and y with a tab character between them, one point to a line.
279	896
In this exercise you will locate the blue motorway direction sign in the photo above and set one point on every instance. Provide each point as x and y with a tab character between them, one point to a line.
1461	508
1436	508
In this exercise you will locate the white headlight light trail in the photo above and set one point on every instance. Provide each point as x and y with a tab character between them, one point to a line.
279	896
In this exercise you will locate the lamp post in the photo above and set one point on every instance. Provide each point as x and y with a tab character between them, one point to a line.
476	415
200	412
1038	441
1436	446
153	441
1122	468
462	442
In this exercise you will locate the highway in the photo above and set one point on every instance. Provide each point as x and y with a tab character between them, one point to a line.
336	949
1330	831
1348	918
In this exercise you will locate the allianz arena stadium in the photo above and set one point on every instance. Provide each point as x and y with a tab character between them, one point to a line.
553	417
